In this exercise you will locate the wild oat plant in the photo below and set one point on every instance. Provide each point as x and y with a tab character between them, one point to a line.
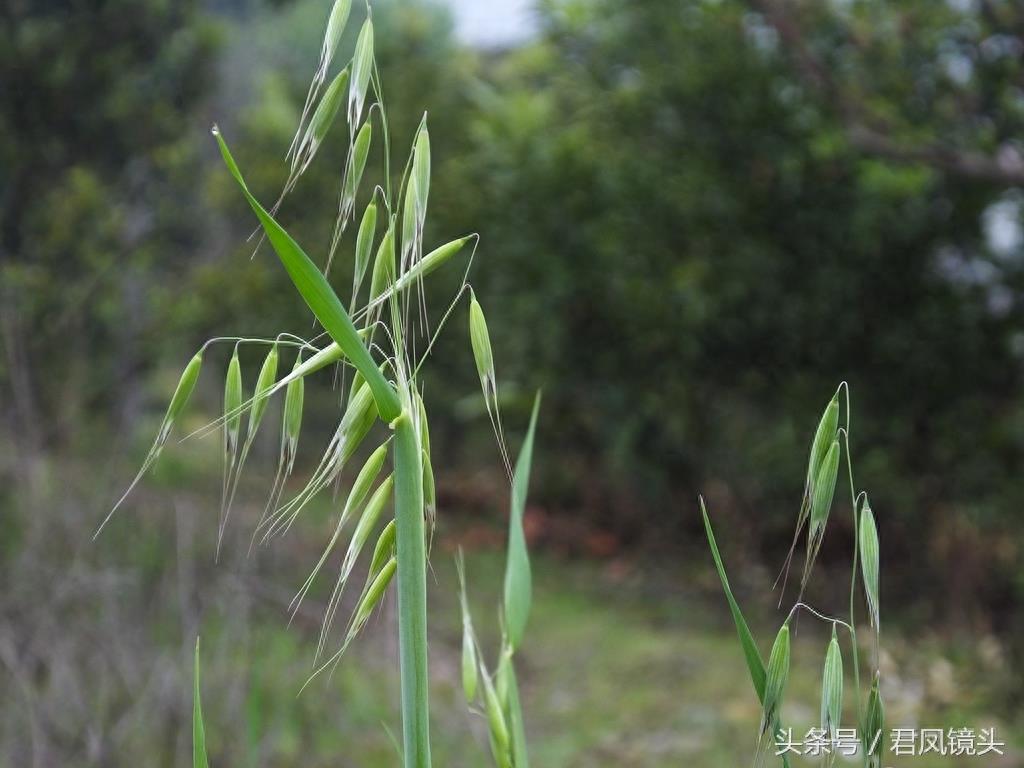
498	692
830	445
383	338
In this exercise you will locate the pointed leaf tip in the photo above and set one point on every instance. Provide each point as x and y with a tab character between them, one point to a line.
518	579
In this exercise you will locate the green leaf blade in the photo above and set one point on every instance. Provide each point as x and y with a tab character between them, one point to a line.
518	579
199	759
750	652
516	723
753	657
318	294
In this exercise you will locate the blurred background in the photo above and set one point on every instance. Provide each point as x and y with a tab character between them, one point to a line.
696	219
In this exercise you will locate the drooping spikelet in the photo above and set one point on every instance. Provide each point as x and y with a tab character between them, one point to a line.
868	540
182	392
832	689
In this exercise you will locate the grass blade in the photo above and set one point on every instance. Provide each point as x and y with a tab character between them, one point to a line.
753	657
520	755
198	732
319	295
517	568
470	672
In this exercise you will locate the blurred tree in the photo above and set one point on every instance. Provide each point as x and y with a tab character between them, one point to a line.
707	214
97	199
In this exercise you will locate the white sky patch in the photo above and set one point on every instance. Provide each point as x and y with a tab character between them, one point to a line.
1001	222
493	23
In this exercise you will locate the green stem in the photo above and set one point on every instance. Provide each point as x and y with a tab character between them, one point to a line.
412	592
855	650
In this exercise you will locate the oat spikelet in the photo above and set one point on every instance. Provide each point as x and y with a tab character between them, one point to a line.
232	430
868	540
828	428
336	22
360	489
821	504
832	689
186	384
480	340
362	69
354	166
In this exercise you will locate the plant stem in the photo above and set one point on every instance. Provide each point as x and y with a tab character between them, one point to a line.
856	553
853	577
412	592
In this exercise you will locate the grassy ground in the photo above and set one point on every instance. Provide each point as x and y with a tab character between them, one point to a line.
624	664
615	671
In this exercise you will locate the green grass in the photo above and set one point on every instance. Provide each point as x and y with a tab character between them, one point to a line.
641	669
613	674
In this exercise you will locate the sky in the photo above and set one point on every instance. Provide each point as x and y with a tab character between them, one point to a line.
493	22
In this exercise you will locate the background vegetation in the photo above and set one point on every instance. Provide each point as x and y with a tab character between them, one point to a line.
743	201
